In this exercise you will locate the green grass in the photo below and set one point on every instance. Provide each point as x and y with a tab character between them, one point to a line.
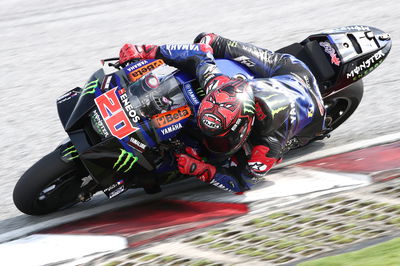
149	257
385	254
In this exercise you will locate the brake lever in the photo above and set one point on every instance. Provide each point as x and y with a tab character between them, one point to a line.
116	65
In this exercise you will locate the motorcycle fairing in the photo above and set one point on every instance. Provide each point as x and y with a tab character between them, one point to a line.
118	164
341	56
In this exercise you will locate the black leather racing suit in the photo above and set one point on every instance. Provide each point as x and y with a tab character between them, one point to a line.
288	103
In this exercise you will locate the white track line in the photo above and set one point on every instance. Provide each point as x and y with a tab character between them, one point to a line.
185	186
342	149
24	231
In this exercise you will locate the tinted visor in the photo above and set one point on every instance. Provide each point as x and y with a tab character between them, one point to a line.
229	143
218	144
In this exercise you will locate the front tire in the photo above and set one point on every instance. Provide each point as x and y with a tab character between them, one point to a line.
48	185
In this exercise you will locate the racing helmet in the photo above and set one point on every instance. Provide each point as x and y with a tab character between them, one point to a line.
226	116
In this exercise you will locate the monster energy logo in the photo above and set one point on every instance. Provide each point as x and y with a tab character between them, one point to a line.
278	110
248	107
70	153
232	44
90	87
200	92
125	159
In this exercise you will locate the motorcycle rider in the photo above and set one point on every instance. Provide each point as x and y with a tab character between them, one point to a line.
263	115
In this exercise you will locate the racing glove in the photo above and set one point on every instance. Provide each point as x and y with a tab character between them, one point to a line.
131	52
192	164
259	163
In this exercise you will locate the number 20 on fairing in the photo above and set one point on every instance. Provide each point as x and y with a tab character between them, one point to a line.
114	115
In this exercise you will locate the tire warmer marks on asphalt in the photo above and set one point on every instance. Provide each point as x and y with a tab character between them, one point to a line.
154	221
381	162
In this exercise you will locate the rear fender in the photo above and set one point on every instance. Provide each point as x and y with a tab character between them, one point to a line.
342	56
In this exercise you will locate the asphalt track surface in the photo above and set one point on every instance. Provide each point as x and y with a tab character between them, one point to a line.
48	47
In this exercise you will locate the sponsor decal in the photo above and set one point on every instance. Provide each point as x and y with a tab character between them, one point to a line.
219	185
257	166
67	96
171	129
236	124
329	50
137	144
127	106
98	124
90	87
310	112
249	48
171	117
70	153
275	103
115	189
232	43
366	66
353	28
292	112
178	47
225	182
200	91
190	94
211	121
125	161
136	74
114	115
266	55
278	110
259	112
114	186
248	107
318	99
137	65
244	60
105	86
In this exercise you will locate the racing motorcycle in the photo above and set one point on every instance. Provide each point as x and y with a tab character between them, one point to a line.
125	126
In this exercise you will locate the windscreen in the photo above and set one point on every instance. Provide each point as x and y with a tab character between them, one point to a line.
155	93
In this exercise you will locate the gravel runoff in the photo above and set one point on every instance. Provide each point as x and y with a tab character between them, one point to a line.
48	47
281	233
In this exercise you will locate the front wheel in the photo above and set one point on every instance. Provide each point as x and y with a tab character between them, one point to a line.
49	185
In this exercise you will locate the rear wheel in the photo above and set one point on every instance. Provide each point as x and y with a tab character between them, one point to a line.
340	106
49	185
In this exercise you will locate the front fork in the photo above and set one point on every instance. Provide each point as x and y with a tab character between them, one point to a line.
69	154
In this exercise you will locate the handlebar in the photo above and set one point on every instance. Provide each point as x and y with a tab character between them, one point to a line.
116	64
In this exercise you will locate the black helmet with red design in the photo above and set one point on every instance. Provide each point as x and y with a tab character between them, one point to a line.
226	116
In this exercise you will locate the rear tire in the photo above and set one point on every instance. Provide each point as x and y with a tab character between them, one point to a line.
49	185
341	105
